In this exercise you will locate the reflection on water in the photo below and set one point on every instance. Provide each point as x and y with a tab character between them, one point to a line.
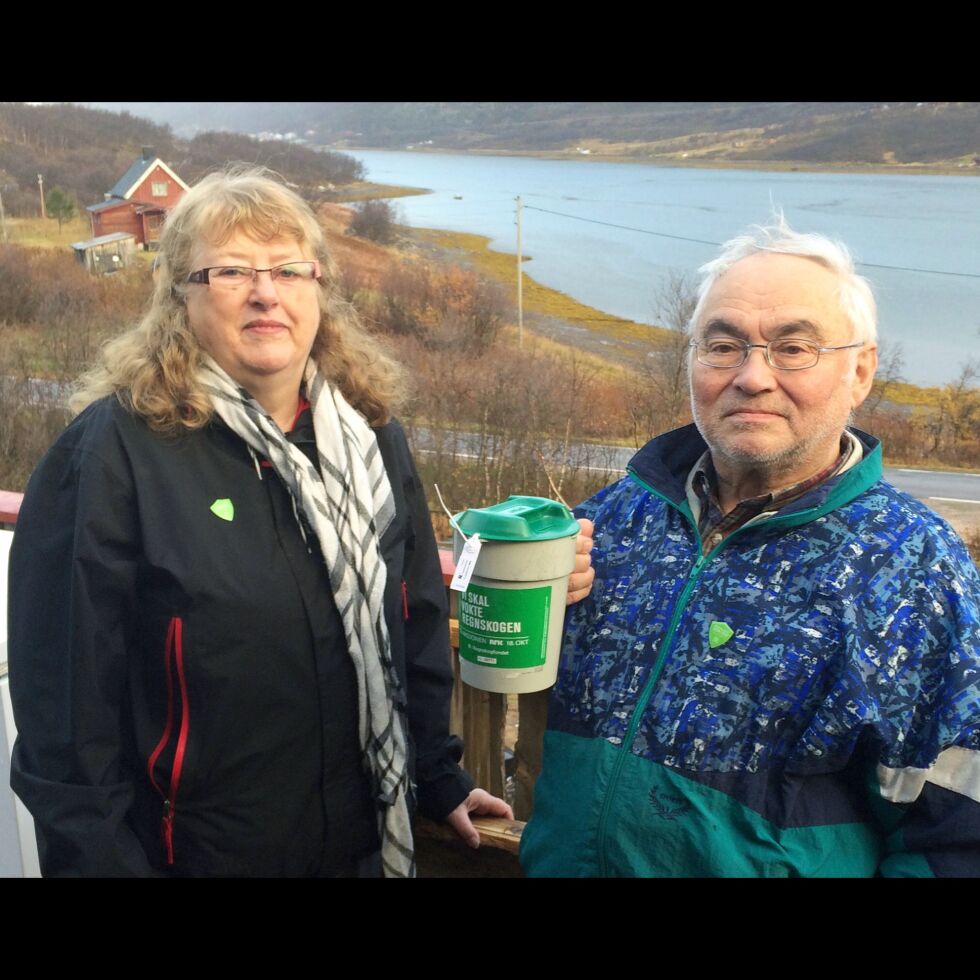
919	222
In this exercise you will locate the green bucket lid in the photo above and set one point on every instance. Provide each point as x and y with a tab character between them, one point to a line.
519	519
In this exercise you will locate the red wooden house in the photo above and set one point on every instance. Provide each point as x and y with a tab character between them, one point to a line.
139	201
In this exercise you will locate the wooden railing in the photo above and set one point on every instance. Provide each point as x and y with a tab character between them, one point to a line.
484	721
9	507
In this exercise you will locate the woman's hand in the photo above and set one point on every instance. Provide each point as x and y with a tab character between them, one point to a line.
580	581
482	804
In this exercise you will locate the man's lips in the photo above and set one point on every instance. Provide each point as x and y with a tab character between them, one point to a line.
750	414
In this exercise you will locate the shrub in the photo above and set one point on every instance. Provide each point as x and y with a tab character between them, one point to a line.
376	220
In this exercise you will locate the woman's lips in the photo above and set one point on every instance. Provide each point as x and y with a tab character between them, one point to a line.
265	326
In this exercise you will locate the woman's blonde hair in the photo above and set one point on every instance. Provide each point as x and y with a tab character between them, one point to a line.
153	368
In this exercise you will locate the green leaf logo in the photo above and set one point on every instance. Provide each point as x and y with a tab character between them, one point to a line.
719	633
225	509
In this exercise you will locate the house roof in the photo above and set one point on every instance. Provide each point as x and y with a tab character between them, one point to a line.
136	175
116	236
113	202
139	207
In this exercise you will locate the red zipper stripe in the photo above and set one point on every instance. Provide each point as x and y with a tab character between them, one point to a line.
185	721
174	657
168	728
405	599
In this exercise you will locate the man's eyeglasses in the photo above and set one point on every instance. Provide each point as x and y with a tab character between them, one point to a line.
787	354
232	277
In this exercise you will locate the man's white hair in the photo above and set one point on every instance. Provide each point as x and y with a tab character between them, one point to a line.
857	302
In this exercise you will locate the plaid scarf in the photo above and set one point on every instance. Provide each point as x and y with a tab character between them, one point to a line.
347	505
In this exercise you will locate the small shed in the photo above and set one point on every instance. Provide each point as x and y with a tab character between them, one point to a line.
139	201
107	253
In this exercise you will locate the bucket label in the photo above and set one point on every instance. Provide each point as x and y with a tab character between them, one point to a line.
504	627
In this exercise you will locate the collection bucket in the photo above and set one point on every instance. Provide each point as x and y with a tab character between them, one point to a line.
512	611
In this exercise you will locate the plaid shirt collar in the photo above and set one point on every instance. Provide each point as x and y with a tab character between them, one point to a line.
714	526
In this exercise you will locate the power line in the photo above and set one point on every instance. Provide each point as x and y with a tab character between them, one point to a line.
701	241
903	268
609	224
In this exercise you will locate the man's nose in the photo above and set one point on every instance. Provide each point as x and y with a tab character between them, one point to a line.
263	290
755	374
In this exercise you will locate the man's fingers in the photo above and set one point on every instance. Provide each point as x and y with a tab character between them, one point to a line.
579	585
580	581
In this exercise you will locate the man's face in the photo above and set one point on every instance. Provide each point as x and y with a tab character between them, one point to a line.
784	425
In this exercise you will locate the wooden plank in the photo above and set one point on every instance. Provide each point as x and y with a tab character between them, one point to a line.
441	854
480	717
483	734
533	717
503	835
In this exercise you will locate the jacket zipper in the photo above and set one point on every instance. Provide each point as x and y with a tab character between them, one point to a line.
173	660
405	600
647	691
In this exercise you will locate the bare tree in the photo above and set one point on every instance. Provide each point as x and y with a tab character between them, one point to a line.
891	361
659	398
964	397
376	219
957	417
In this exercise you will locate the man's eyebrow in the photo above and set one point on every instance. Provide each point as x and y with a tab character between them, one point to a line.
720	326
799	328
795	328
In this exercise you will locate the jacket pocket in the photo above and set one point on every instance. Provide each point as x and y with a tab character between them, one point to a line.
175	734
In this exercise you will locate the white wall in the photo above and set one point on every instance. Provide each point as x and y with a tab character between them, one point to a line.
18	850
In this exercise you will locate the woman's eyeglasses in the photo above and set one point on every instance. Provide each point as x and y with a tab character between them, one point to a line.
236	276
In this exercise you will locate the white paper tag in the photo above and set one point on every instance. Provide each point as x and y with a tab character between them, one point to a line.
466	563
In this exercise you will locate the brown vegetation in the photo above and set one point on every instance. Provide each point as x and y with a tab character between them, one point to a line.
945	434
376	220
316	170
53	317
86	151
658	397
972	539
487	418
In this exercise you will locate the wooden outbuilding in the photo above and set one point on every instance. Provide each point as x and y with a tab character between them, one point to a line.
107	253
139	201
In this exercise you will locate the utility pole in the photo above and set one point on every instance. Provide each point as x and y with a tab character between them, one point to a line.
40	187
520	279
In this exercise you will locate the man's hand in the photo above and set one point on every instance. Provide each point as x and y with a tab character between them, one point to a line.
482	804
580	581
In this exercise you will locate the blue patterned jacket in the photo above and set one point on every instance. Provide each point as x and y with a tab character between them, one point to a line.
803	700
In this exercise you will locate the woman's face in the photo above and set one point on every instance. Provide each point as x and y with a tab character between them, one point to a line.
260	332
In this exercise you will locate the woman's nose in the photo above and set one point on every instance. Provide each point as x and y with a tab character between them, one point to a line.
264	289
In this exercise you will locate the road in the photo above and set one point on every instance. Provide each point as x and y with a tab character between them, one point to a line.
934	487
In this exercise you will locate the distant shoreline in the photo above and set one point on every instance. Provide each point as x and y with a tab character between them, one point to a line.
766	166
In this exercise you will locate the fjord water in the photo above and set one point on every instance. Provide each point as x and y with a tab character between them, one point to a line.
917	222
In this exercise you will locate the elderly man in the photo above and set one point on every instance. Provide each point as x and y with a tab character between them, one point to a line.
777	672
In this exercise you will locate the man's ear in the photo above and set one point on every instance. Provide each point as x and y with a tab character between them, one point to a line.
864	374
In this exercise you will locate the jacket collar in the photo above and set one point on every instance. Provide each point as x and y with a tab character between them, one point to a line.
664	463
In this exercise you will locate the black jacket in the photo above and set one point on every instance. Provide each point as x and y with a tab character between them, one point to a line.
181	686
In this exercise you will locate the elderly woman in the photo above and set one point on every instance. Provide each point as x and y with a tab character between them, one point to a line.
228	647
